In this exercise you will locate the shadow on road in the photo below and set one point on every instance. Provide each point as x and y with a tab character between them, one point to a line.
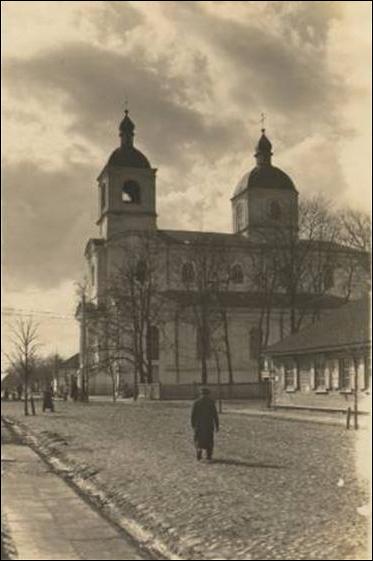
241	463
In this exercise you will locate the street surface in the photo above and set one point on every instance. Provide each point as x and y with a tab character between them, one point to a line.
277	488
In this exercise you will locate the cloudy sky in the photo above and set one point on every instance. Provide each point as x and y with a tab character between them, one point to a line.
197	76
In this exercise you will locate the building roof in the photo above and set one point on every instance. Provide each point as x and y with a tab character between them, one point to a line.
347	326
187	236
128	156
264	145
264	177
71	363
254	300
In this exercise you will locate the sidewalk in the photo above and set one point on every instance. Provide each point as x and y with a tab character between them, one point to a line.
48	520
317	416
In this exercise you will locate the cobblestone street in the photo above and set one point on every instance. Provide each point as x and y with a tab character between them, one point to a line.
277	489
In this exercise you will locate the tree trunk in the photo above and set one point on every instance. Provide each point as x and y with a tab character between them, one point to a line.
114	386
204	353
203	369
227	348
26	391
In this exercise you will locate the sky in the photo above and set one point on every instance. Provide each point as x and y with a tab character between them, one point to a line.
197	76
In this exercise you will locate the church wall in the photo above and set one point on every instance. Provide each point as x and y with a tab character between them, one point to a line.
245	368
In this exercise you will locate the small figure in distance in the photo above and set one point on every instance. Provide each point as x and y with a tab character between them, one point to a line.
204	420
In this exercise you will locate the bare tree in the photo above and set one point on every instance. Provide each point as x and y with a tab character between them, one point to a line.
127	323
356	230
298	262
25	340
207	286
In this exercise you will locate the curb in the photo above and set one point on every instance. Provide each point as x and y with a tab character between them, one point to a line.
96	497
6	538
335	423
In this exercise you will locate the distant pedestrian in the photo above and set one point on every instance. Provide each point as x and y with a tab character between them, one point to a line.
74	393
204	421
48	400
19	391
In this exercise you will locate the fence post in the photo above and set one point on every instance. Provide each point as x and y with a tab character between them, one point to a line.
348	418
32	405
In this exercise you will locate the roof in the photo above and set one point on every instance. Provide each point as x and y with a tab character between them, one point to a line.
255	300
345	327
71	363
265	177
264	145
128	156
187	236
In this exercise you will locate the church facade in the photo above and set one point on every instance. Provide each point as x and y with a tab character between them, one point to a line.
165	310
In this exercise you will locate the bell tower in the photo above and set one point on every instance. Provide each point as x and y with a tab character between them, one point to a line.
126	188
265	201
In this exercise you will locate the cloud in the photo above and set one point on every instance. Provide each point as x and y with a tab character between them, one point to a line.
48	220
91	82
197	76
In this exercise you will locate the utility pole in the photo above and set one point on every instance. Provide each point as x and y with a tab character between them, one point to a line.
220	402
55	384
84	350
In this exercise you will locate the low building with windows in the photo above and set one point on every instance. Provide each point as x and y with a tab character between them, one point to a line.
323	364
177	308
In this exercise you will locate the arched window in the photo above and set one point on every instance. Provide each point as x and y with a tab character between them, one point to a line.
141	271
131	192
153	343
328	277
187	273
237	274
275	210
255	342
239	217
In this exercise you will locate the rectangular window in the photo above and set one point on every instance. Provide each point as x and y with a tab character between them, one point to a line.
290	375
345	371
320	374
153	343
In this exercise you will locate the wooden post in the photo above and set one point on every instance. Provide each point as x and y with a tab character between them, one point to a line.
356	412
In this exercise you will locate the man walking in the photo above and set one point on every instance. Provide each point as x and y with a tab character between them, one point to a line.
204	420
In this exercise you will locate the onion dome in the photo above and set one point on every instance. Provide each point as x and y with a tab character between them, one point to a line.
264	175
127	155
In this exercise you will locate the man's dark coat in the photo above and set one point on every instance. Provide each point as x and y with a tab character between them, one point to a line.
204	419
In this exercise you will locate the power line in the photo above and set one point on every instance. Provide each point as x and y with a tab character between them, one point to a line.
10	311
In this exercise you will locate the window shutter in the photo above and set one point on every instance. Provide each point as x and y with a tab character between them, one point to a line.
334	374
283	377
296	376
361	379
339	374
312	377
328	374
353	375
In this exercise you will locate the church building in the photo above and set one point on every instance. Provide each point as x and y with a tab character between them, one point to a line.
166	310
